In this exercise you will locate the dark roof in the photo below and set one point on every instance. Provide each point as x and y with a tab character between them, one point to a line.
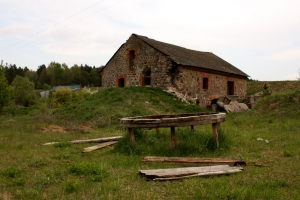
188	57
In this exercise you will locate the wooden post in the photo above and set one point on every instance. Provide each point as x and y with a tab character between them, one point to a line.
192	127
131	136
173	138
215	127
157	131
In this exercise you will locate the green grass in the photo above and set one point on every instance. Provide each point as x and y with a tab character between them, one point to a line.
29	170
274	86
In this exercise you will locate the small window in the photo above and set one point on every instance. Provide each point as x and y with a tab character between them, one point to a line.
148	77
205	84
131	55
121	82
230	88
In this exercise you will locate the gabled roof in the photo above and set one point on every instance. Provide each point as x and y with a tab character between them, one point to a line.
188	57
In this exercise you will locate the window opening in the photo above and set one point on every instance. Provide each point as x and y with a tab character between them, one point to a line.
205	83
230	88
121	82
131	55
148	77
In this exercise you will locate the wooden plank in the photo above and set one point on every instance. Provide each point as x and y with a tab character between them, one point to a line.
188	171
97	140
99	146
194	161
172	120
90	140
228	171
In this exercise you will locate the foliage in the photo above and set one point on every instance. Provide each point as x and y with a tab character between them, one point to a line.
266	91
72	186
12	172
22	91
4	92
61	96
46	86
56	74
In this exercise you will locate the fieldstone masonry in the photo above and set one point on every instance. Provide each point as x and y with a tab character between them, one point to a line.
135	61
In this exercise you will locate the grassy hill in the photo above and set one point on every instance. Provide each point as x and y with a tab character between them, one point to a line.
29	170
105	107
274	86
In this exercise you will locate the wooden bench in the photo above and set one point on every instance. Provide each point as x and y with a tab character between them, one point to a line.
172	121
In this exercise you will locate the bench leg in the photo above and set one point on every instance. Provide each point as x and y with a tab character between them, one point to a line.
131	136
173	138
215	128
157	132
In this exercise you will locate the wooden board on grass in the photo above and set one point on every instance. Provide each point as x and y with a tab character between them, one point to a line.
99	146
179	173
195	161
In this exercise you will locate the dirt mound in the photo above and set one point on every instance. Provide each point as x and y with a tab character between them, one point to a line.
53	128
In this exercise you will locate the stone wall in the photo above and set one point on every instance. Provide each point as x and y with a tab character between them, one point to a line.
145	58
189	82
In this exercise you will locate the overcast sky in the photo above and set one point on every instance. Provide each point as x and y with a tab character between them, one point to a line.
260	37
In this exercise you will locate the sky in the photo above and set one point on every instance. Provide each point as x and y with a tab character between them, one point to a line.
260	37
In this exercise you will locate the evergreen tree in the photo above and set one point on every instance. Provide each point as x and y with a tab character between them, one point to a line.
4	93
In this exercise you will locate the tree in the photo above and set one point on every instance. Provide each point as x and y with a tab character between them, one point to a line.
31	75
55	74
95	77
67	76
22	91
41	76
4	92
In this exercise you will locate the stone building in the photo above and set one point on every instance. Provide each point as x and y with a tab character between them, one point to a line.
201	77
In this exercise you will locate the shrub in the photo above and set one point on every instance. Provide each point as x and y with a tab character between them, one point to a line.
61	96
72	186
12	172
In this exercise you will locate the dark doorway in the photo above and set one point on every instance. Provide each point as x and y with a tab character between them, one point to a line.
148	77
230	88
121	82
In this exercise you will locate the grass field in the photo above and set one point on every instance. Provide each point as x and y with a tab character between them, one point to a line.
29	170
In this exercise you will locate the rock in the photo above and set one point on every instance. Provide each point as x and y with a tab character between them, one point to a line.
235	106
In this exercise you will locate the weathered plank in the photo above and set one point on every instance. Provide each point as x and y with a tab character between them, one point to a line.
90	140
173	173
172	120
221	172
195	161
99	146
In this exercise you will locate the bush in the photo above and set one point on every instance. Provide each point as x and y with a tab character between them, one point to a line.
61	96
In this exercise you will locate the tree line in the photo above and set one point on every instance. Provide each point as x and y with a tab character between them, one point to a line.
56	74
